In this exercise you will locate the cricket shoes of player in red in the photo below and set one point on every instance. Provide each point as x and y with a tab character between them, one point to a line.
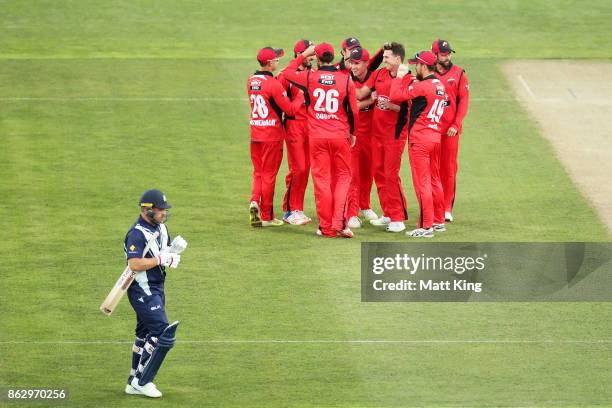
254	214
275	222
354	222
296	218
381	221
439	227
421	233
395	226
448	216
368	214
345	233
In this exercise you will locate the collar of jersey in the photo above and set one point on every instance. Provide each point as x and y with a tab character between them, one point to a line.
264	73
328	68
145	223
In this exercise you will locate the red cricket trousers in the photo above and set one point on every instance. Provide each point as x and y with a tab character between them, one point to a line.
266	158
353	194
330	161
387	161
361	176
298	159
425	166
448	169
366	173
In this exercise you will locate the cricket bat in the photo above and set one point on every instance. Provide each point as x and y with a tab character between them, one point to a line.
123	283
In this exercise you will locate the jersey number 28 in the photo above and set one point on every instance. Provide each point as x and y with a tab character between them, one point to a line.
260	109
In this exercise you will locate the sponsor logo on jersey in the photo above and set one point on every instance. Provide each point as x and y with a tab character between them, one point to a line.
327	79
255	85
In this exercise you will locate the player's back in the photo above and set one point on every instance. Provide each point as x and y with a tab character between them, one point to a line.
331	93
426	110
266	116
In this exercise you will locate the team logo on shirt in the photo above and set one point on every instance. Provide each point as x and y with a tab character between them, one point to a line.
255	85
132	248
327	79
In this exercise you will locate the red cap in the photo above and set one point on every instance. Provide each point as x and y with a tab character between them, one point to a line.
424	57
268	54
301	45
322	48
360	54
350	43
441	47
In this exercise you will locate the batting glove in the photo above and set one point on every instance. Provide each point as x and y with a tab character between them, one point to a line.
178	245
170	259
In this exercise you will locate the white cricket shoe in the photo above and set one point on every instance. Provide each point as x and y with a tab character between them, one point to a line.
354	222
131	390
149	389
254	213
345	233
395	226
448	216
369	214
421	233
272	223
296	218
439	227
304	216
381	221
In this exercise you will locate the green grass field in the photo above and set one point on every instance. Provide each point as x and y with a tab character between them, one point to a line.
102	100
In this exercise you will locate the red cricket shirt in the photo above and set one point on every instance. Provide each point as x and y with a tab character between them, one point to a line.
428	100
387	124
457	87
268	102
331	99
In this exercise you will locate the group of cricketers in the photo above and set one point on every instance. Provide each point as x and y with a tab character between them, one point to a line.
347	124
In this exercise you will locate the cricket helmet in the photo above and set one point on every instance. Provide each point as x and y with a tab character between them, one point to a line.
154	199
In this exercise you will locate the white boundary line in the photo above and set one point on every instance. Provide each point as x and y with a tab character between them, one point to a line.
271	341
529	91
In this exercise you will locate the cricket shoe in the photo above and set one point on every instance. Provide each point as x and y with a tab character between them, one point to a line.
322	235
381	221
272	223
254	211
439	227
395	226
369	214
131	390
307	218
296	218
149	389
345	233
354	222
448	216
421	233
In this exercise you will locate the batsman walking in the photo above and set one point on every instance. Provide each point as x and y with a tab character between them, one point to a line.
147	250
